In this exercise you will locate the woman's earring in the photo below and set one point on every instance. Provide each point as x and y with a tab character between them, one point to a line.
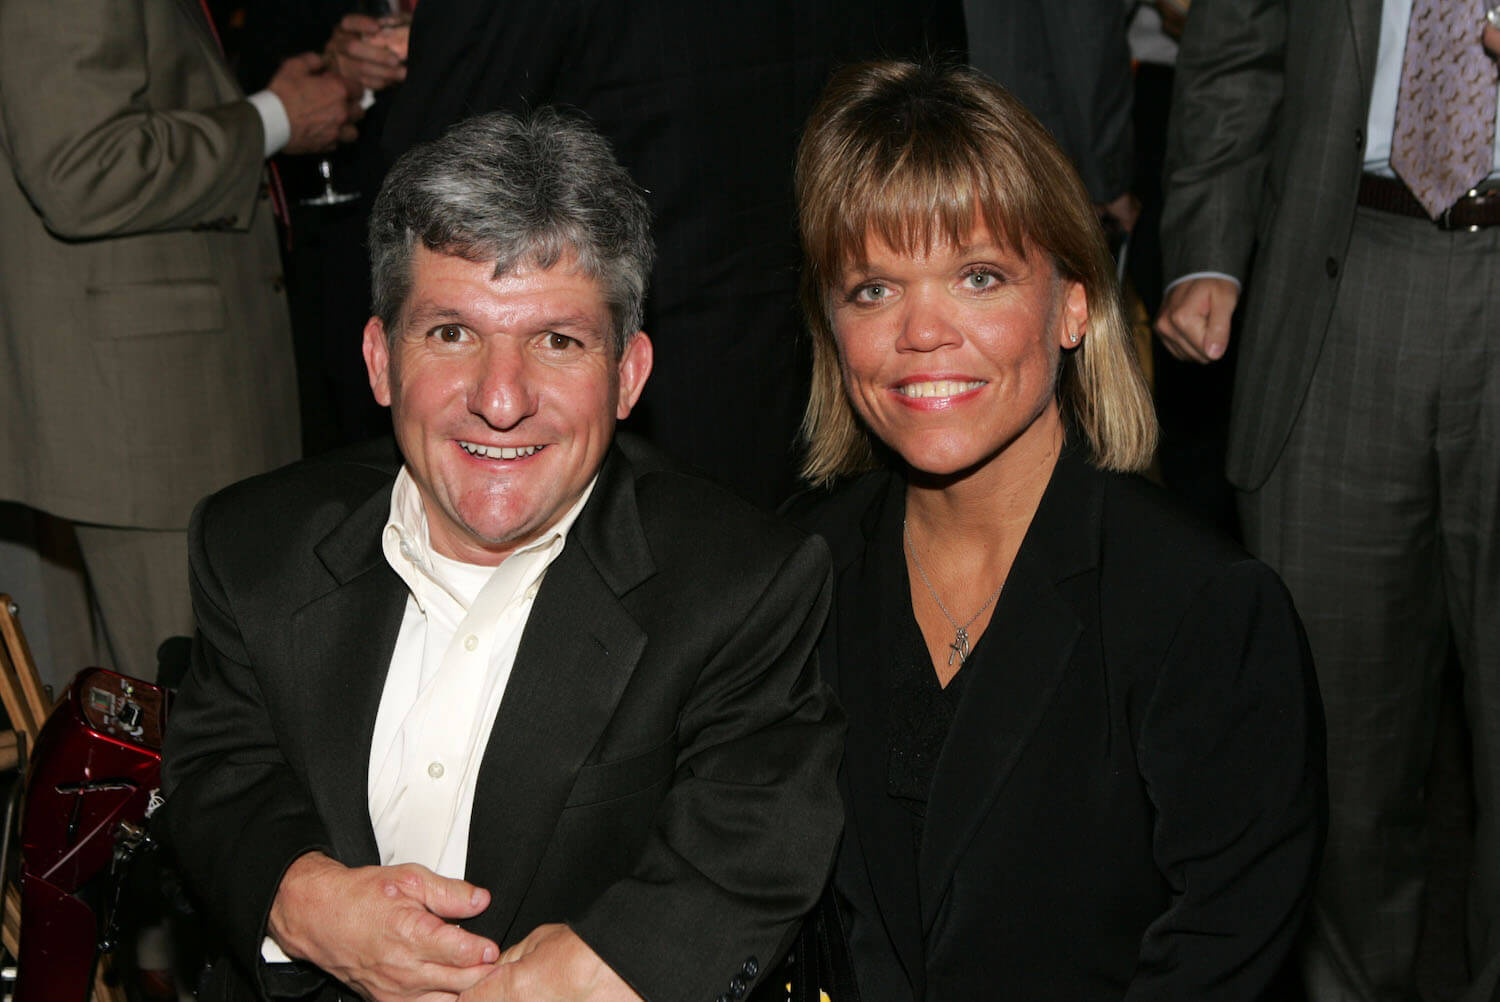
1073	337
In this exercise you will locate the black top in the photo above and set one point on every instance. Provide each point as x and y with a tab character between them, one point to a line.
1130	800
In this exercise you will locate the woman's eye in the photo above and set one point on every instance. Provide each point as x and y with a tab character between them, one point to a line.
874	292
981	279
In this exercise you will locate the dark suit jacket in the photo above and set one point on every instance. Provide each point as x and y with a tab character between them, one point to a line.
1130	803
1264	153
1069	64
703	102
660	773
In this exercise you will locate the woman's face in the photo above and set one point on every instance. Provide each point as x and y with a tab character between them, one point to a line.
951	356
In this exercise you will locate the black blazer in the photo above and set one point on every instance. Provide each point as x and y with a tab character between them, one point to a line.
1131	801
661	770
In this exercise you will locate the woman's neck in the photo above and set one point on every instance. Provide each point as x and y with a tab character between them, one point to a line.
988	509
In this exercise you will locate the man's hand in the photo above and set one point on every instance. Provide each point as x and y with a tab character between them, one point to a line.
1491	39
551	965
321	106
1194	321
381	929
1173	16
1123	210
356	51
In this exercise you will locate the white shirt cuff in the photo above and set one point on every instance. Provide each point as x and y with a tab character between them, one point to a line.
1201	274
273	118
271	953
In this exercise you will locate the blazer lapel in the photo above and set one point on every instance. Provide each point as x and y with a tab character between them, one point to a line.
1030	641
577	653
346	638
862	687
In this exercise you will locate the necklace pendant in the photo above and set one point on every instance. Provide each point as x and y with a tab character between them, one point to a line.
960	646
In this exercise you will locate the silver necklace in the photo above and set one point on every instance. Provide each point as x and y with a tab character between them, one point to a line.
960	645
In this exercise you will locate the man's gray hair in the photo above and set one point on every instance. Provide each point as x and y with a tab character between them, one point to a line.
518	192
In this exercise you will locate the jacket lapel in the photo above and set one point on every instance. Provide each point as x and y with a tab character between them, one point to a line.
1030	641
577	653
861	682
346	638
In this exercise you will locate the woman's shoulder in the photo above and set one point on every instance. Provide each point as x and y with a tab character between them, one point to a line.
840	513
1162	567
1143	524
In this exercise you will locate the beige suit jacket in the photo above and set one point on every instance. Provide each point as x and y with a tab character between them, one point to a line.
145	349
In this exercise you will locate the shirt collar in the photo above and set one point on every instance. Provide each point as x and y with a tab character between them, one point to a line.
429	575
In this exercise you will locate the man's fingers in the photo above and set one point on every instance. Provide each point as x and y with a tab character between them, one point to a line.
306	62
1194	320
358	24
453	979
447	897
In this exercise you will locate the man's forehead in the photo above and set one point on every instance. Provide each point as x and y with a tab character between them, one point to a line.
453	286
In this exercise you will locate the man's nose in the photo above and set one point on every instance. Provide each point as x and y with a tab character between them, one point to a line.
927	322
503	393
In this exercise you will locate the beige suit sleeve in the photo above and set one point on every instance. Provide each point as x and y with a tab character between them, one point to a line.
117	117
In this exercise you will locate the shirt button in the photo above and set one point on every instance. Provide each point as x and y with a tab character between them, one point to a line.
435	770
471	642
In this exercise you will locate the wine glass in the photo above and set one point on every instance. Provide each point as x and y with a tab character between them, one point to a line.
394	33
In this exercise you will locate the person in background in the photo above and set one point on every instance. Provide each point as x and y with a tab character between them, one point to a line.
144	349
1349	149
702	100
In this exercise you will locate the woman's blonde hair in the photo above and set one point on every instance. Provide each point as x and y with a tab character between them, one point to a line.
911	152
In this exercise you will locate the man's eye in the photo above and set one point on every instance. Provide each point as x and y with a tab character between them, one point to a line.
448	333
558	342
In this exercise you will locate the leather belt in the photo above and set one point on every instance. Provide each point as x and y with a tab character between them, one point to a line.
1477	209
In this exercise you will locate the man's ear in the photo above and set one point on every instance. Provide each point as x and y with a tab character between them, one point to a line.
635	369
378	361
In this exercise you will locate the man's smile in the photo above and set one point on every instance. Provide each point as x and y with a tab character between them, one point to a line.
500	451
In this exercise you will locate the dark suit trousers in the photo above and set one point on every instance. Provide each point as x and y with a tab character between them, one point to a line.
1383	517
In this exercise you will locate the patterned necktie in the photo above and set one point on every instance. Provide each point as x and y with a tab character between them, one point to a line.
1444	142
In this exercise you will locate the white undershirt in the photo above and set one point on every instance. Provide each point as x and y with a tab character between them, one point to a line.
453	657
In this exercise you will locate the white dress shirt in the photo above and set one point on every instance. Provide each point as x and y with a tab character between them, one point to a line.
453	657
452	660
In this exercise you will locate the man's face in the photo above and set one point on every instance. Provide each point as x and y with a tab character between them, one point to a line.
504	394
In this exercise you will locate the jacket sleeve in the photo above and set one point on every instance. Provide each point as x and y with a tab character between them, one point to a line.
744	840
236	815
82	83
1232	754
1225	106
